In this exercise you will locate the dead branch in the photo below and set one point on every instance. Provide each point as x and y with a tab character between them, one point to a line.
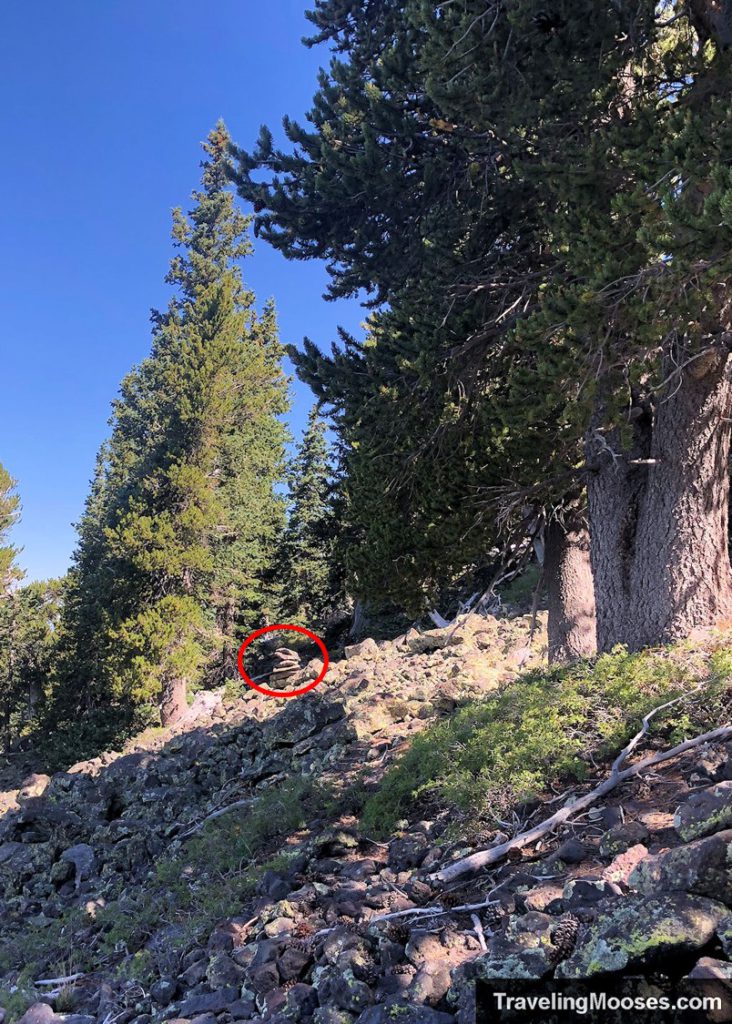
59	981
434	911
617	775
215	814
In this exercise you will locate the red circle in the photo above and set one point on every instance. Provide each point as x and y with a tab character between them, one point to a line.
283	693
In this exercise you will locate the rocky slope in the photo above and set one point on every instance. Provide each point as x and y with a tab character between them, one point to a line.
217	872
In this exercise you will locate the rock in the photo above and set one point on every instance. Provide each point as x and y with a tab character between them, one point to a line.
222	971
403	1013
571	851
622	837
621	868
292	963
724	932
367	649
541	896
241	1009
702	867
212	1002
642	931
432	640
343	990
34	785
163	991
582	892
83	859
709	968
530	964
229	934
263	979
38	1013
329	1015
706	811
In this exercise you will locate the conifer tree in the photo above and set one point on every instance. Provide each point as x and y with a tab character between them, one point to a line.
28	623
554	174
310	571
177	535
9	512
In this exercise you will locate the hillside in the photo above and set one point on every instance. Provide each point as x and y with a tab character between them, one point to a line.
278	860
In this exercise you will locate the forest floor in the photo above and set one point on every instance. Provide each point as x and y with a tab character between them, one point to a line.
248	864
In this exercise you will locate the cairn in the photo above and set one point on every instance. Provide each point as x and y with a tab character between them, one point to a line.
286	664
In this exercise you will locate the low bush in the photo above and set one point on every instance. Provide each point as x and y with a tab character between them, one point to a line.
546	729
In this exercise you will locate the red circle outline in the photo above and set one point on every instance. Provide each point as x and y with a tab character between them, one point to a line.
283	693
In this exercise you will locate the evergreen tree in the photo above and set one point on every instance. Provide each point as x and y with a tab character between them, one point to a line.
311	578
177	535
28	624
9	512
552	176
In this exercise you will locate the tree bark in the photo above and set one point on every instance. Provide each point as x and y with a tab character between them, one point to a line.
659	514
173	702
572	625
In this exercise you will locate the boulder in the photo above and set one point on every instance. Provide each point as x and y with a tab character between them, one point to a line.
367	650
705	812
622	837
701	867
709	969
643	931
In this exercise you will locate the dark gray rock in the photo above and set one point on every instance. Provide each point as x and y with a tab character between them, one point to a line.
212	1002
643	931
701	867
622	837
705	812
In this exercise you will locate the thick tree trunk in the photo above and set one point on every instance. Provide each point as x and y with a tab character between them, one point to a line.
659	515
173	702
572	626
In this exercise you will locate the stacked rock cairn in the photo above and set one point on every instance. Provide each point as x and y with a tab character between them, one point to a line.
286	664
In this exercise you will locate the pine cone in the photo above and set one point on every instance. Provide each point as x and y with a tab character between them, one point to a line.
450	900
370	975
399	933
302	929
289	985
564	937
404	969
303	945
348	922
493	915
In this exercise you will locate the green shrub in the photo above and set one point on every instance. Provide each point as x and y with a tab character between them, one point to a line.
546	728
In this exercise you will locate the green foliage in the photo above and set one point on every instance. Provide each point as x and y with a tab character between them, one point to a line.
175	553
312	581
534	207
29	618
211	873
9	513
545	729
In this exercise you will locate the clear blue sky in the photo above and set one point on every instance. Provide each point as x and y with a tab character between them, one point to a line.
103	104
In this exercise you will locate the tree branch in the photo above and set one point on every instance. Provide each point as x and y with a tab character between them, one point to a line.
617	775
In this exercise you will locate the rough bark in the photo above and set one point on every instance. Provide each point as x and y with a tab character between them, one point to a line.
572	625
681	575
173	702
659	513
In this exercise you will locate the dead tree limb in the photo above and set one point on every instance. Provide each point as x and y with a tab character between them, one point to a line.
617	775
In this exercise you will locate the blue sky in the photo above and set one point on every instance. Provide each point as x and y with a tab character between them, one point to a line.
103	104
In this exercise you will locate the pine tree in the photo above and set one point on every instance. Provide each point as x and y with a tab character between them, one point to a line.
175	544
28	627
554	180
9	512
311	575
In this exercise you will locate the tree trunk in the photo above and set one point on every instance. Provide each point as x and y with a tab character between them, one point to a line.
173	702
659	527
572	626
